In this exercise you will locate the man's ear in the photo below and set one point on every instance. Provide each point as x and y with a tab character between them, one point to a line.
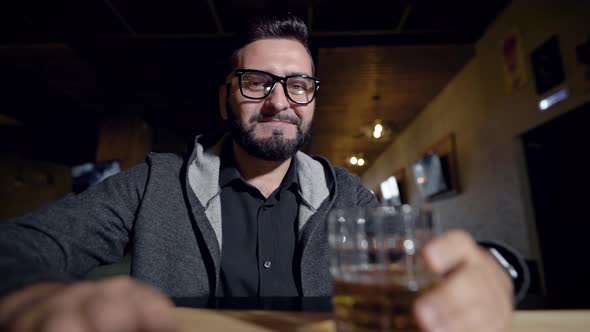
223	101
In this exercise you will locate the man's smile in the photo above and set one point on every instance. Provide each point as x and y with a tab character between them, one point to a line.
276	122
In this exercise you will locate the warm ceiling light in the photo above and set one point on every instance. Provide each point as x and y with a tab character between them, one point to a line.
421	180
353	160
376	131
361	162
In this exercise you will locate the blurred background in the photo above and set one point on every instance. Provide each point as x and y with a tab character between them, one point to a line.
477	107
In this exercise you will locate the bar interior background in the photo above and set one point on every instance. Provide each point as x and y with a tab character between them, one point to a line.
93	81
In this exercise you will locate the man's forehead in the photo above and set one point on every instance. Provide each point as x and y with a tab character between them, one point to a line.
288	56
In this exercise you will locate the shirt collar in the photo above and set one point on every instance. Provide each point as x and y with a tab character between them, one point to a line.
229	172
291	180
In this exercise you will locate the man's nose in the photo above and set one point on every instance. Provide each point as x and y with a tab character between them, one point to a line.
278	99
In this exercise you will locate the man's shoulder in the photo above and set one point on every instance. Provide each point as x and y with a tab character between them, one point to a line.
165	158
344	176
325	163
340	174
156	166
163	165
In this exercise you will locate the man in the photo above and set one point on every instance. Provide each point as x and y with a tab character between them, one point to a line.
252	195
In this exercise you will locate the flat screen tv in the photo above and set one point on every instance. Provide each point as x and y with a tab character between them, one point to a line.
432	176
85	175
390	192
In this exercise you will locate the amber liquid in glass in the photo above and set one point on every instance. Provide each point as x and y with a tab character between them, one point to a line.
379	301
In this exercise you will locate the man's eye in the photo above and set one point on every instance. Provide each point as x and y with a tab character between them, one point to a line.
254	84
299	87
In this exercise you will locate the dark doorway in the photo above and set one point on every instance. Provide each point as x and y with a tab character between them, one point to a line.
557	154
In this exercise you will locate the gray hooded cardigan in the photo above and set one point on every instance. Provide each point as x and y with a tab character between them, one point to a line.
166	213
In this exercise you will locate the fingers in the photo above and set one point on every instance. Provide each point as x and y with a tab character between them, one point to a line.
63	321
449	250
466	301
52	310
438	310
12	304
113	305
105	314
475	294
130	306
156	313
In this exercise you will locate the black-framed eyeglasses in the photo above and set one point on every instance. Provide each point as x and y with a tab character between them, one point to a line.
258	84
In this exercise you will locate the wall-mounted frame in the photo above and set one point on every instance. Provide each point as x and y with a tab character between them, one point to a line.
547	65
435	172
392	190
513	61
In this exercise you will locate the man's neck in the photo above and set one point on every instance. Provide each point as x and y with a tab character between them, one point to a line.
265	175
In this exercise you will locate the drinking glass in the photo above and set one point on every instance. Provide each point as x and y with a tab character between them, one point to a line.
377	266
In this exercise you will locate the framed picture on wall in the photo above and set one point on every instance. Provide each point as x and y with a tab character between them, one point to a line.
435	172
547	65
513	61
392	190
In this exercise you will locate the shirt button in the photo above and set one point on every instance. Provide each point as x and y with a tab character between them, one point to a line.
267	265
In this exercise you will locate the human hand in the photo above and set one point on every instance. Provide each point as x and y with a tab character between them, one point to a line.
117	304
475	293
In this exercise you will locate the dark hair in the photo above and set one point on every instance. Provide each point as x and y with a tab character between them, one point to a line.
267	26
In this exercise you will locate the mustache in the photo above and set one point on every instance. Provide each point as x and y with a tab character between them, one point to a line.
280	117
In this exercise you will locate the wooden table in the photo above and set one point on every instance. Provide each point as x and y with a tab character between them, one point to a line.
264	321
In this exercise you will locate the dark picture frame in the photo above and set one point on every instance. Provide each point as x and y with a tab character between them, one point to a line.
547	65
444	153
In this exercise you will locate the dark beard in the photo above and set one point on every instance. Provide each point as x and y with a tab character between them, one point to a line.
274	148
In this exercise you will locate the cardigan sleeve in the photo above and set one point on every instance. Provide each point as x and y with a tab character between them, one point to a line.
66	239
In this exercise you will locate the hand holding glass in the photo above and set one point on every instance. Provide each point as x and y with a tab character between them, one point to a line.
377	266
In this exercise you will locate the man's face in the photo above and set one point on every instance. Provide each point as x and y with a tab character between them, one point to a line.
273	128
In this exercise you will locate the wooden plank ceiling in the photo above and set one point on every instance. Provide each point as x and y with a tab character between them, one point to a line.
360	85
67	64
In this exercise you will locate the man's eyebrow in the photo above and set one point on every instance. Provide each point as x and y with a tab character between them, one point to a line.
297	73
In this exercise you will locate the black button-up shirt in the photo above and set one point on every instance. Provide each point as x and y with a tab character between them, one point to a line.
259	234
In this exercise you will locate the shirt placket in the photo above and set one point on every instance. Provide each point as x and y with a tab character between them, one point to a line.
266	248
